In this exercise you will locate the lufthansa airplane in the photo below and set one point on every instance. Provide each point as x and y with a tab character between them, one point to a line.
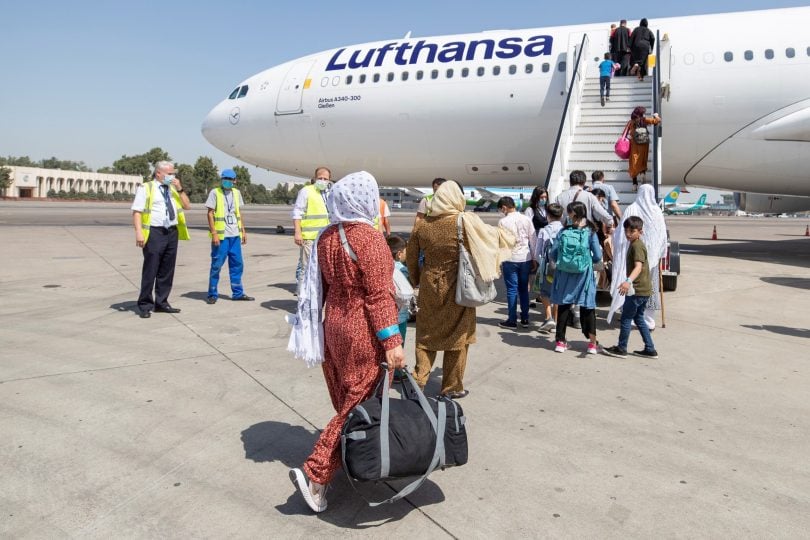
485	108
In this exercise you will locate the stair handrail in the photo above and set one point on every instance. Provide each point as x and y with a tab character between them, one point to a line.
657	110
565	118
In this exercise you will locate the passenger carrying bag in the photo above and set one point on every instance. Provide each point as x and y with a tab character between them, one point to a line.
622	146
386	438
574	253
471	290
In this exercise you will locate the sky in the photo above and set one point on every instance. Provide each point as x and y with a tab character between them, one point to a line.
91	81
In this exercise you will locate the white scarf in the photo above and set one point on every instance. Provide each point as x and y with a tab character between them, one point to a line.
654	237
354	198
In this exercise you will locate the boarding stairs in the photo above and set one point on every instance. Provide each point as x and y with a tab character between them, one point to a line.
588	131
591	146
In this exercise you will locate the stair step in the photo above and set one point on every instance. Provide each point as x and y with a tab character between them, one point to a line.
599	130
595	141
597	165
610	116
596	155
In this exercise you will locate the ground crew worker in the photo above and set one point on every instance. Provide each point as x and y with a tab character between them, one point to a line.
157	214
227	232
310	216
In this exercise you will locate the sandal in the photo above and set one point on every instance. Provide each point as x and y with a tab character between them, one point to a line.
456	395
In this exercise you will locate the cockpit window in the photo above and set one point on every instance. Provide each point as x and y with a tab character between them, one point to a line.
234	93
243	92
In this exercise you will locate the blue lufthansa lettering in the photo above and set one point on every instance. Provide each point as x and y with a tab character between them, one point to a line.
509	48
454	51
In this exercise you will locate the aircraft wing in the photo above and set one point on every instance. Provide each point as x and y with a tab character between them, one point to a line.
487	194
412	192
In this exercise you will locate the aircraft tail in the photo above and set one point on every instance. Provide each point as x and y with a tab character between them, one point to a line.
701	201
672	196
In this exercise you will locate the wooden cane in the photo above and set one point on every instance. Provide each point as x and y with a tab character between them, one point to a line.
661	292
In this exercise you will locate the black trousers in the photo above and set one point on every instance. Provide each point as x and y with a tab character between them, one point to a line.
623	59
159	257
565	315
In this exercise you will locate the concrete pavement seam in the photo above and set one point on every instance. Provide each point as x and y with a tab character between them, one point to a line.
97	254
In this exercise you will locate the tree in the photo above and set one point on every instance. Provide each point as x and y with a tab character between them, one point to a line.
157	154
5	180
205	174
133	165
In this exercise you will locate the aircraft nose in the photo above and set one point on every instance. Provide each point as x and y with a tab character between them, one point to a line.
220	126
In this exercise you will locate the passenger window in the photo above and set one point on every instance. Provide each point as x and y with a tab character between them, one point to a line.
234	93
790	52
348	79
324	81
769	54
465	72
708	58
434	74
808	51
529	68
336	80
376	77
512	69
748	55
404	75
689	59
449	73
390	76
362	78
561	66
728	56
546	67
419	75
243	92
496	70
480	71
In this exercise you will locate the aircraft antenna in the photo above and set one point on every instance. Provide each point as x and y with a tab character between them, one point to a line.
408	35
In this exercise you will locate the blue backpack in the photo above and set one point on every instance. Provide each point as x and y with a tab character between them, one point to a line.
574	251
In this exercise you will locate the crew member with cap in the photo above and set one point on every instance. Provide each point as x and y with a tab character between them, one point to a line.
157	214
227	232
310	217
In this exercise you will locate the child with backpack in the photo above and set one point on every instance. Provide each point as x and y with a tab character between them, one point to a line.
546	238
636	289
575	251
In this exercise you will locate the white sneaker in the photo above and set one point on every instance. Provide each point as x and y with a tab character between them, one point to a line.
593	348
547	326
314	494
561	346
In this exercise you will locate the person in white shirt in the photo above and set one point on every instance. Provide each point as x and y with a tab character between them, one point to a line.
157	215
595	211
517	269
611	203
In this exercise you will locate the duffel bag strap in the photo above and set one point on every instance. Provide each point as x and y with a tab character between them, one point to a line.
437	421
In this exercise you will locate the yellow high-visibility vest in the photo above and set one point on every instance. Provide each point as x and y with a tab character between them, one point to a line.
146	215
219	212
315	217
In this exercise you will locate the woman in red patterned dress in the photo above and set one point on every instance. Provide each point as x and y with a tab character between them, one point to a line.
360	328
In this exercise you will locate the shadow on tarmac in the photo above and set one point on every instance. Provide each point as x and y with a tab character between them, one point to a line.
129	305
787	252
290	306
289	287
798	283
782	330
268	442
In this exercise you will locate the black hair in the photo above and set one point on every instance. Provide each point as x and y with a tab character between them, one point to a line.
537	192
598	192
580	212
395	244
644	23
607	56
634	223
508	202
437	182
597	176
577	178
554	210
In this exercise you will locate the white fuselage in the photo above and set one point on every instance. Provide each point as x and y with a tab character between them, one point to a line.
740	125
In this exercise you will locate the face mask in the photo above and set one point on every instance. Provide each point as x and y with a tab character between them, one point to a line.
321	185
227	184
541	202
167	179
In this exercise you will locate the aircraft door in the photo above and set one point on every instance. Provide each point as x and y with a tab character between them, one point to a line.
292	89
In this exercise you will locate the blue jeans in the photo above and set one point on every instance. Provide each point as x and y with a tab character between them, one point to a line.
633	311
231	249
516	278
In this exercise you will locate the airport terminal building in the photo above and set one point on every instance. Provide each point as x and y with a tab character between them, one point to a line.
35	183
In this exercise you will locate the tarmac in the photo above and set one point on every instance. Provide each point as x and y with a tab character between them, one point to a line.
184	426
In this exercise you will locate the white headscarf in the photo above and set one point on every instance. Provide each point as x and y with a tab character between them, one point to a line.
354	198
654	236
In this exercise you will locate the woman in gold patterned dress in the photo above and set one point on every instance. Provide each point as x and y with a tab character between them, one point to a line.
443	325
